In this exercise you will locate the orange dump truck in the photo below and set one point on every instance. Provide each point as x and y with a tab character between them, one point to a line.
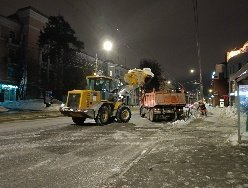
162	105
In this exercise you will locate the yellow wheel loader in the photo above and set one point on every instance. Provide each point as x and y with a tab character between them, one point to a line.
100	101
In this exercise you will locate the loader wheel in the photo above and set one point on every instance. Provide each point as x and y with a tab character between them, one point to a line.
123	114
103	116
78	120
142	114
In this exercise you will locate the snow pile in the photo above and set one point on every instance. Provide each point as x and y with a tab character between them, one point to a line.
3	109
227	112
233	139
180	122
34	104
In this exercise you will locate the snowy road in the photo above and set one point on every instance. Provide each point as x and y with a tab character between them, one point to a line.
56	153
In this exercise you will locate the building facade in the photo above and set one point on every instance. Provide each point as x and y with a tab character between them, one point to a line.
235	64
24	68
224	86
20	53
220	85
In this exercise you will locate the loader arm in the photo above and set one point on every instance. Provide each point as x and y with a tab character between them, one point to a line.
136	78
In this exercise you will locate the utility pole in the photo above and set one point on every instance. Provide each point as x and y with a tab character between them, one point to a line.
196	19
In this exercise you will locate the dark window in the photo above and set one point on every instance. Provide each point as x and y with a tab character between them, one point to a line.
44	57
10	71
44	76
51	76
240	65
12	53
12	35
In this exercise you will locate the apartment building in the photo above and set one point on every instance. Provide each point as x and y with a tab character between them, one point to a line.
19	34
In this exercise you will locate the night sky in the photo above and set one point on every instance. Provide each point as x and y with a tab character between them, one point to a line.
157	29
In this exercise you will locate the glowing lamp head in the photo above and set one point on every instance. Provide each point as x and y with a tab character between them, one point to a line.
107	45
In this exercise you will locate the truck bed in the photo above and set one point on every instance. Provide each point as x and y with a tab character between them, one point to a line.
163	98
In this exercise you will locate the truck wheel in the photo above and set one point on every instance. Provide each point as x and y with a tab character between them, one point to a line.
152	116
142	114
148	114
78	120
103	116
174	117
123	114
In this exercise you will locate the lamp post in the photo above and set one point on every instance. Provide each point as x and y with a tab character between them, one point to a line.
200	80
199	93
107	46
210	96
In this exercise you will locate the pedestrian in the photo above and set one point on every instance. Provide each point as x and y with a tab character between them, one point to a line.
202	108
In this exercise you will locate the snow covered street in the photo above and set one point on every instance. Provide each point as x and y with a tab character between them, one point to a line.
199	152
23	107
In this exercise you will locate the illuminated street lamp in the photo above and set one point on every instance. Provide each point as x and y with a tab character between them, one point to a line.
107	45
192	71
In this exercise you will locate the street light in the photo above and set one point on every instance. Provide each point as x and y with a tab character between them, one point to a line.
192	71
211	96
107	45
200	81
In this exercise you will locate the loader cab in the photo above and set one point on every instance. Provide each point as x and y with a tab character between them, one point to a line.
101	83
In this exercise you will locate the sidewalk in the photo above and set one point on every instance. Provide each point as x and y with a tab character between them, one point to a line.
201	154
27	115
27	109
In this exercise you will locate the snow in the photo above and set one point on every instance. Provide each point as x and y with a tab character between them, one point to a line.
224	114
34	104
228	113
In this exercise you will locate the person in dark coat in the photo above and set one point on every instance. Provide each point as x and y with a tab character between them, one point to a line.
202	108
